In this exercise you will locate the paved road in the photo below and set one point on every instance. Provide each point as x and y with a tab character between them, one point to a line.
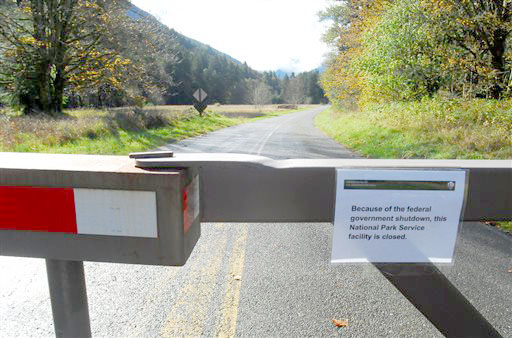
260	280
286	136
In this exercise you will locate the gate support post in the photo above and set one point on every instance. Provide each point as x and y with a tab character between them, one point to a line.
437	299
68	295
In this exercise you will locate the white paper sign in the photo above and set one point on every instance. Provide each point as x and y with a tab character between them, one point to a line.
397	216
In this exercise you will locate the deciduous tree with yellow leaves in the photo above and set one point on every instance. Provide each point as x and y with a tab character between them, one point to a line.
50	47
388	50
477	36
350	19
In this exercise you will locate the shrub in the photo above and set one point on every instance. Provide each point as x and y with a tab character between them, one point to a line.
136	119
287	106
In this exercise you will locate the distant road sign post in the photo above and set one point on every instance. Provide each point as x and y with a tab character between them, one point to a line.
200	95
200	107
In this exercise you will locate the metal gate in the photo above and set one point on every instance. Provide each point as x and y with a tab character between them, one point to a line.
183	190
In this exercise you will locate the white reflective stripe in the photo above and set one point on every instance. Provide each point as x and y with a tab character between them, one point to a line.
116	212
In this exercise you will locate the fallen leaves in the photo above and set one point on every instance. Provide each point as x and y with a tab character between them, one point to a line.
340	323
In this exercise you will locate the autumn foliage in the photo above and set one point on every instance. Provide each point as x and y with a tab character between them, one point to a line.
405	50
56	49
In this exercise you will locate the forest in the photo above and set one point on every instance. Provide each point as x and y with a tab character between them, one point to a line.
57	54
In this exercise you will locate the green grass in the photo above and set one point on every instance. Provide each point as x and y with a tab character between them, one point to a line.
120	130
506	226
358	132
479	129
125	141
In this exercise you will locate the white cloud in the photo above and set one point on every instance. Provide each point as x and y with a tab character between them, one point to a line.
267	34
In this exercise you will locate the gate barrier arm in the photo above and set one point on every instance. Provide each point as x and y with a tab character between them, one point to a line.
119	187
248	188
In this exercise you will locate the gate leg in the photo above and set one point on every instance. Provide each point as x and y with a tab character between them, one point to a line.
438	299
68	295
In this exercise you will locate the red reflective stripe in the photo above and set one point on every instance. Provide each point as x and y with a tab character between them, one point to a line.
186	214
37	209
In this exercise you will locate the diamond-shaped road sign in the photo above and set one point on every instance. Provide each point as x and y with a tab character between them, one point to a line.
200	95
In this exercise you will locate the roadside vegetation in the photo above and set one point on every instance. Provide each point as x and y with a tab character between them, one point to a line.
506	226
430	128
424	79
420	79
385	51
119	130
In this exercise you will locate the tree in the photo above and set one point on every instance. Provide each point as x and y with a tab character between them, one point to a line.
296	90
402	55
404	50
259	93
478	34
81	48
313	91
49	44
349	20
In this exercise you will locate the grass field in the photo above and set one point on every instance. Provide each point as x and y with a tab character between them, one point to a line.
473	129
507	226
120	130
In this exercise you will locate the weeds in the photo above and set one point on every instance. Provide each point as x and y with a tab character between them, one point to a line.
431	128
114	131
49	131
29	133
136	119
506	226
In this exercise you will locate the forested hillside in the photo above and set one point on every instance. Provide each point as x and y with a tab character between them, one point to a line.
62	53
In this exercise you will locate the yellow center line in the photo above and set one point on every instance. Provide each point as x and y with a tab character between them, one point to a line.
188	315
226	324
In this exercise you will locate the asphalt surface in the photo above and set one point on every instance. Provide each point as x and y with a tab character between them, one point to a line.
260	280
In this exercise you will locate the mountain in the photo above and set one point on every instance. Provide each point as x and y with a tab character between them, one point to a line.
135	12
225	79
281	73
201	66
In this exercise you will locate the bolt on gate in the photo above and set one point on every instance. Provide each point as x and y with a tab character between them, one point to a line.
148	209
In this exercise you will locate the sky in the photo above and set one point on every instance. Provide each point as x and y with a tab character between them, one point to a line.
267	34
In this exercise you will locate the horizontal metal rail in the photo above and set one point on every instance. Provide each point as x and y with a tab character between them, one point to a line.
246	188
